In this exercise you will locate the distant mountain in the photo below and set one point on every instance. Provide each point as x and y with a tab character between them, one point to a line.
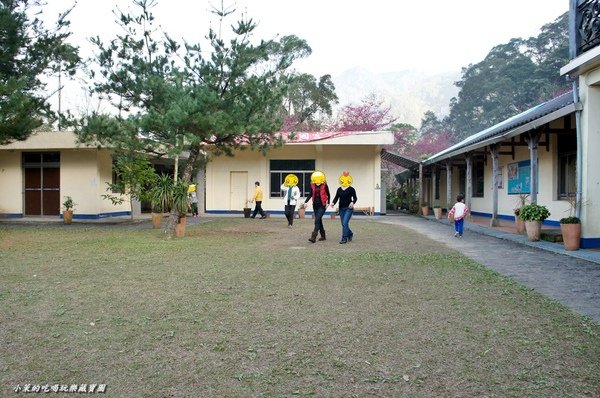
410	93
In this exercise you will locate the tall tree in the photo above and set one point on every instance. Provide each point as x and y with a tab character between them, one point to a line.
28	51
512	78
307	101
226	98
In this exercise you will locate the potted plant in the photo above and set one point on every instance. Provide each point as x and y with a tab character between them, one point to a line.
247	209
533	215
520	224
570	228
180	203
160	198
425	209
68	206
437	210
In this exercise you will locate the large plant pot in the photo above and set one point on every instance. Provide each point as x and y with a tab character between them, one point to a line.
425	210
180	227
247	212
68	216
534	229
157	220
438	212
571	234
520	224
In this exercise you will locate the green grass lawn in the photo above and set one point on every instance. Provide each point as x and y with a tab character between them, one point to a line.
245	307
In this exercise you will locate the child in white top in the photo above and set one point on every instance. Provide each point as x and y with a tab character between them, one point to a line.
459	211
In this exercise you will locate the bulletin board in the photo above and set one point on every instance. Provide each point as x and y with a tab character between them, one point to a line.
519	177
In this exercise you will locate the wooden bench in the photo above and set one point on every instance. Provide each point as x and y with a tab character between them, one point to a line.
367	211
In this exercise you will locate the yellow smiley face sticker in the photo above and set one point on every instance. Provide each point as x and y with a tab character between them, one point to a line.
291	180
345	179
318	177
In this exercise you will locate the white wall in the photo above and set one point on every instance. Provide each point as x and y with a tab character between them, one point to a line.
362	161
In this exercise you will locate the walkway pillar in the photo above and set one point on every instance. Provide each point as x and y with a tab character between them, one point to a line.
533	138
421	193
469	180
494	149
449	201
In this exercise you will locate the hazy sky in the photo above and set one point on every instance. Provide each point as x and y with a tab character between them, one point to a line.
379	35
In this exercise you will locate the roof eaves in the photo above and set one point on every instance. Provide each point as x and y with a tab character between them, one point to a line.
518	124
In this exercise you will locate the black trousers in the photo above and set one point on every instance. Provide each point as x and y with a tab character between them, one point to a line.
289	213
258	209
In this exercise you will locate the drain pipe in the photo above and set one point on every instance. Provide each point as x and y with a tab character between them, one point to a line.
579	170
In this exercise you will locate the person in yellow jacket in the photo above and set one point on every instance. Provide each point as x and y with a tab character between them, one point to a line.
258	197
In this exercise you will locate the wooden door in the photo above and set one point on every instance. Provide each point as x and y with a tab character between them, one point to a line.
238	194
42	183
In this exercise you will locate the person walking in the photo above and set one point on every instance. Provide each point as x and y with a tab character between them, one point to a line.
459	211
192	192
257	198
347	197
291	194
319	193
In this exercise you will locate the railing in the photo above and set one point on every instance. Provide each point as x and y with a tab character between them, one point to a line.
587	25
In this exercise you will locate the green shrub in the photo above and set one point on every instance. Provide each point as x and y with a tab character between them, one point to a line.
570	220
534	212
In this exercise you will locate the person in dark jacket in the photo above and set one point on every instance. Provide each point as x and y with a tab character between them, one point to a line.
319	193
347	197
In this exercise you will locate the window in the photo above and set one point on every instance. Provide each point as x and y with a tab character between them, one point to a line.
567	166
280	168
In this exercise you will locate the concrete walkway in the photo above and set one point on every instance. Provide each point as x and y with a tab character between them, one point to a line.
572	278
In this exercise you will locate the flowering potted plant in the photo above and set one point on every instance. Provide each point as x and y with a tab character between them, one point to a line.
533	215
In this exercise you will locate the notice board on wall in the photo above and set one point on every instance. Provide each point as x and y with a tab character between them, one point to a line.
519	177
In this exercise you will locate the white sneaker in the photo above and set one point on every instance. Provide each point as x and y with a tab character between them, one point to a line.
456	235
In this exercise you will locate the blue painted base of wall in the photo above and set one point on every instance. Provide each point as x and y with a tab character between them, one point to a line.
586	243
99	215
590	243
550	223
279	212
11	215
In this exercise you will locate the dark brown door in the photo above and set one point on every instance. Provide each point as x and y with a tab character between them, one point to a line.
51	191
33	192
42	184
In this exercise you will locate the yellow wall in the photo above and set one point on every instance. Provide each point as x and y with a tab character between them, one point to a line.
590	126
83	176
11	181
362	161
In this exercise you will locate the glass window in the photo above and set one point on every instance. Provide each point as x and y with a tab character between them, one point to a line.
302	168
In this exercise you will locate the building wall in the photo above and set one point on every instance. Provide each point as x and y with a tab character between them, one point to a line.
548	184
11	181
83	176
590	126
362	161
